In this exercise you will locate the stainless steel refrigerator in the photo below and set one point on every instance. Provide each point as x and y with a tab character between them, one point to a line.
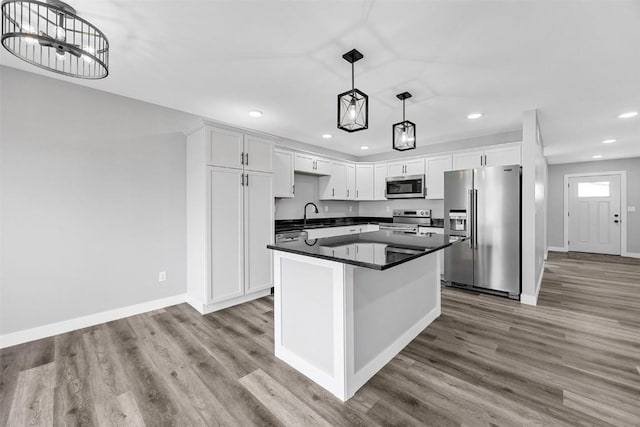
484	205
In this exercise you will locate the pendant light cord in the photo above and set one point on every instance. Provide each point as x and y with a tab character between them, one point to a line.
353	80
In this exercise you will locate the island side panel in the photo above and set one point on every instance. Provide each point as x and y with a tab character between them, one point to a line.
390	308
309	318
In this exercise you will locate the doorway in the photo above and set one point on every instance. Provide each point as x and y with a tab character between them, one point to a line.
594	217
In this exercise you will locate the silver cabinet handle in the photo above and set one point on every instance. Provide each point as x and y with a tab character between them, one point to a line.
347	193
333	192
242	158
293	189
246	158
247	183
357	194
242	182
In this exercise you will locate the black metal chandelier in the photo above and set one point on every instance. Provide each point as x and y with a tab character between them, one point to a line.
353	105
49	35
404	133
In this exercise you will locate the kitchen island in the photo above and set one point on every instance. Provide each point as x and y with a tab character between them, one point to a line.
345	306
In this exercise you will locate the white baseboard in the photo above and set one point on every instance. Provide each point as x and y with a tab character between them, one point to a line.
631	254
533	299
557	249
365	373
203	308
39	332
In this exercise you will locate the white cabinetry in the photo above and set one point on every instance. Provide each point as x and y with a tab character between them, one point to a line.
406	167
334	186
308	163
283	183
436	167
509	154
231	149
501	155
351	181
380	181
229	219
364	182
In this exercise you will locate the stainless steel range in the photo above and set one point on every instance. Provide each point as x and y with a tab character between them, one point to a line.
408	221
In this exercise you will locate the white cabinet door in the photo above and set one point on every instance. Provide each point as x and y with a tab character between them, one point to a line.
351	181
396	169
339	181
225	148
414	167
503	156
365	252
226	231
258	232
467	160
283	173
436	167
364	182
380	183
323	167
258	154
304	163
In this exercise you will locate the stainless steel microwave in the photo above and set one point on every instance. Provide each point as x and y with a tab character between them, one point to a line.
405	187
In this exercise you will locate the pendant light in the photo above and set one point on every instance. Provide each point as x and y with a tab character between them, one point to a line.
49	35
404	133
353	105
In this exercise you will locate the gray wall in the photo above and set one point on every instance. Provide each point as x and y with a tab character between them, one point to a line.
92	201
385	207
307	191
555	234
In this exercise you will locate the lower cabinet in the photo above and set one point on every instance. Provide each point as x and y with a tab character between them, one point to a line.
241	226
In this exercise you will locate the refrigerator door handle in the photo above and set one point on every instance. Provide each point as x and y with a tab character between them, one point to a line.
475	219
470	216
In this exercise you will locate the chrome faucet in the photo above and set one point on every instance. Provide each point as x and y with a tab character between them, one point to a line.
305	211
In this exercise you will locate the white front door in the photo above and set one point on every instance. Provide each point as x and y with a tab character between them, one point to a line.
594	214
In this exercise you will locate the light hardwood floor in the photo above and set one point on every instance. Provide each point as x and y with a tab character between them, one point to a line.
574	360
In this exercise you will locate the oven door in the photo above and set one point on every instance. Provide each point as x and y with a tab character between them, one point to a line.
405	187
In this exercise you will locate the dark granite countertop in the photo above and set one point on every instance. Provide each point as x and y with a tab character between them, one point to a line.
298	224
378	250
283	225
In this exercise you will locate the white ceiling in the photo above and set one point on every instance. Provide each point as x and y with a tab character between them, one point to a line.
577	62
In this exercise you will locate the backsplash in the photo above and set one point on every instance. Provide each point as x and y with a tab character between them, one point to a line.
386	207
307	191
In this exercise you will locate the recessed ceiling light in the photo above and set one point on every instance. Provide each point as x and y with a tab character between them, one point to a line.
327	135
255	113
364	147
608	141
474	116
597	156
628	115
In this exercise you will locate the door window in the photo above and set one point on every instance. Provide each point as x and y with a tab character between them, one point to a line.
593	189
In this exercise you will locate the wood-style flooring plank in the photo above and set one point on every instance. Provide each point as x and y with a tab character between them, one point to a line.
572	360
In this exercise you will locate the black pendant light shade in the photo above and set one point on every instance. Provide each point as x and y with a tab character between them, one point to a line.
49	35
353	105
404	133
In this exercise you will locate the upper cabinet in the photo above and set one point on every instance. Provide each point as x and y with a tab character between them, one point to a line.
231	149
334	186
380	181
308	163
509	154
501	155
436	167
283	184
406	167
364	182
351	181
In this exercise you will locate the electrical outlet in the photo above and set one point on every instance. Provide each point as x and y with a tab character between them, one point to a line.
350	208
326	208
388	208
162	276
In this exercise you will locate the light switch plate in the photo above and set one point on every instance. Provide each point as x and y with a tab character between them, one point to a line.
631	208
162	276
